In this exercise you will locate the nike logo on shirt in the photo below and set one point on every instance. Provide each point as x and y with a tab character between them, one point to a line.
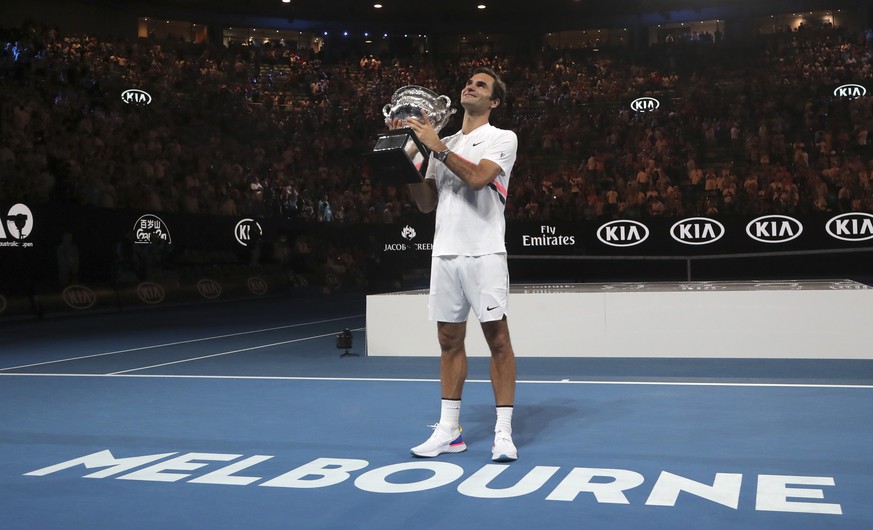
491	308
477	143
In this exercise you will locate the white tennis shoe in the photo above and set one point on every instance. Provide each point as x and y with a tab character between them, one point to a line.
440	442
503	449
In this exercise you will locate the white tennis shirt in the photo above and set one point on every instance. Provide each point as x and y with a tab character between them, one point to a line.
468	222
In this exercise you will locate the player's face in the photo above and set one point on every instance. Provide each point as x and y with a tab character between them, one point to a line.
477	92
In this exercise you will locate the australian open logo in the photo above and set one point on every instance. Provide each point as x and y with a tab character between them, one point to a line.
257	286
622	233
151	229
645	104
136	97
248	232
79	297
697	231
850	91
774	229
209	288
16	226
150	292
853	226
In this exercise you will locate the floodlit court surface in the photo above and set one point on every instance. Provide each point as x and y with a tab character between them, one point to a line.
245	415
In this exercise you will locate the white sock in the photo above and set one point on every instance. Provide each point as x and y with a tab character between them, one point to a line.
504	420
450	415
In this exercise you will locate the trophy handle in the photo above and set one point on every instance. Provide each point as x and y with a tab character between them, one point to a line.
386	110
447	100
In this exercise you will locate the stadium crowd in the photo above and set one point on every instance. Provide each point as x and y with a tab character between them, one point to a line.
269	130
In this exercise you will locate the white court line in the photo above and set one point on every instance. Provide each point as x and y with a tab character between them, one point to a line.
421	380
219	354
176	343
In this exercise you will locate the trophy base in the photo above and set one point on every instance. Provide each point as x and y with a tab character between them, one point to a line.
397	158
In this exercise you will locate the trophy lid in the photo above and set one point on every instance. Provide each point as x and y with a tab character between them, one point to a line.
412	91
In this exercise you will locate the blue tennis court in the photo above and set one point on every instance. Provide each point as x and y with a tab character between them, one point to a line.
245	415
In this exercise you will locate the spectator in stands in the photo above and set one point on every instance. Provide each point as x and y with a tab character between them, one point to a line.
96	150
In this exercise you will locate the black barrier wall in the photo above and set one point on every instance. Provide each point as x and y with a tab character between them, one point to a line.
60	258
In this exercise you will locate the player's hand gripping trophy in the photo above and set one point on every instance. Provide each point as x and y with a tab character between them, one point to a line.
398	155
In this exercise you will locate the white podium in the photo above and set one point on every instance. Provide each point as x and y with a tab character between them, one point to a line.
802	319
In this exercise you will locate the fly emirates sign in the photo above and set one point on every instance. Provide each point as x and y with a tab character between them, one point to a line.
775	493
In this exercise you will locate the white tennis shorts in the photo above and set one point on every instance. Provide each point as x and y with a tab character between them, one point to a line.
458	283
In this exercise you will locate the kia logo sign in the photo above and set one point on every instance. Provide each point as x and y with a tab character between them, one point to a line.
209	288
257	286
135	96
855	226
850	90
697	231
774	229
645	104
622	233
247	232
79	297
150	293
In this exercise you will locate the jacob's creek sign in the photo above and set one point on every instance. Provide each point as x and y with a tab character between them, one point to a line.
408	234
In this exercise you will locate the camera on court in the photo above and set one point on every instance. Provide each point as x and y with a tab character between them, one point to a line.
344	340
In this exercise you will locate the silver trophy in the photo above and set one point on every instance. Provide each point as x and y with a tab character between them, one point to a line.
398	154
